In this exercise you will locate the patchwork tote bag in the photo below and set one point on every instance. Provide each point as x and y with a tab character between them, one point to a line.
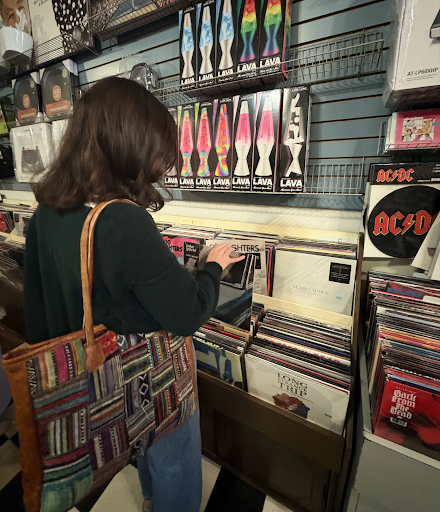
87	402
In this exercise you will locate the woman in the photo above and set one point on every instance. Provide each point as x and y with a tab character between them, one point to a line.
119	142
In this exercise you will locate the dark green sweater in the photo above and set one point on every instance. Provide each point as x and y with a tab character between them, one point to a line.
138	284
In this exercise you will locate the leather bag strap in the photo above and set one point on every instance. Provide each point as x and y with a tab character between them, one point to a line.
93	351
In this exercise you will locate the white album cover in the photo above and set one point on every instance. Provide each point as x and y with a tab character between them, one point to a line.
292	391
318	281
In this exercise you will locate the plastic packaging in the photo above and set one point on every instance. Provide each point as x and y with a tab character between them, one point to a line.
32	149
58	130
14	42
135	67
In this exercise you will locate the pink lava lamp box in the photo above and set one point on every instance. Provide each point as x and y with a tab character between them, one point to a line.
243	147
206	147
223	121
266	140
275	21
171	178
188	156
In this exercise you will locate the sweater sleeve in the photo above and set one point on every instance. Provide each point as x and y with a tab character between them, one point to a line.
179	302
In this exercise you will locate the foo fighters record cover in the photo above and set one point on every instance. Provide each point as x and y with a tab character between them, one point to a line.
404	202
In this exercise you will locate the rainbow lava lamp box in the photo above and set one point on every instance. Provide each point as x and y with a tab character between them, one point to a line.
223	120
243	145
187	48
171	178
226	40
188	156
266	140
274	38
248	38
206	149
206	30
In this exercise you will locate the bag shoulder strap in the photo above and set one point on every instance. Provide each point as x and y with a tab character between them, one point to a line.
94	354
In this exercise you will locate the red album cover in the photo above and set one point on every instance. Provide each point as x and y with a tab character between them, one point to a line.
409	414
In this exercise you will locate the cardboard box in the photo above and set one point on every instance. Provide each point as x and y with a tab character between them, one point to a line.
205	145
58	88
226	40
294	139
27	98
248	38
188	53
243	145
206	47
415	49
188	156
223	122
274	38
171	179
266	141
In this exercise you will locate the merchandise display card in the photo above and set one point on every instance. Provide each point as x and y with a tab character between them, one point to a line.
294	140
243	146
404	202
416	128
27	98
248	38
58	87
266	141
171	179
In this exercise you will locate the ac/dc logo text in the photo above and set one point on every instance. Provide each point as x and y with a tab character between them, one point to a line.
399	224
400	175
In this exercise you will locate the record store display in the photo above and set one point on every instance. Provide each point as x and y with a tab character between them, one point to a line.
58	87
32	148
27	98
403	360
414	129
404	202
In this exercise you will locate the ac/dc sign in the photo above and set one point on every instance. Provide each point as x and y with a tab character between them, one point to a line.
395	175
399	224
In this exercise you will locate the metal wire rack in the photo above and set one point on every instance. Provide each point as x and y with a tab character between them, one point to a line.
386	148
343	57
60	47
128	15
336	178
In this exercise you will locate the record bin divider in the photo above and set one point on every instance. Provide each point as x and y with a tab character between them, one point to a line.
259	441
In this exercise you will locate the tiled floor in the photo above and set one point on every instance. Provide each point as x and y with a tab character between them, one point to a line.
222	491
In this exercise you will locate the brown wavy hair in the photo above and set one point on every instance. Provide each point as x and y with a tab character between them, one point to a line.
119	142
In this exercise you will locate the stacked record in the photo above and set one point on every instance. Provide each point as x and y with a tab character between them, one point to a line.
302	365
316	273
403	360
11	260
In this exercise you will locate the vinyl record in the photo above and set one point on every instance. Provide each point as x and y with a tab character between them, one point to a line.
26	99
399	222
57	91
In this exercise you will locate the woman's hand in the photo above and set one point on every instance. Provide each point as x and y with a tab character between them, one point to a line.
221	254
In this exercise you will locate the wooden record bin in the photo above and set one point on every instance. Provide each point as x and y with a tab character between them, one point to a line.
295	461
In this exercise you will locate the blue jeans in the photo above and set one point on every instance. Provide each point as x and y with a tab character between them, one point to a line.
171	470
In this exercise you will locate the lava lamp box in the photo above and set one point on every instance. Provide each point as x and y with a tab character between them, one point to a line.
188	156
266	140
188	53
206	28
248	38
274	38
243	146
226	40
207	156
223	121
171	178
294	140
